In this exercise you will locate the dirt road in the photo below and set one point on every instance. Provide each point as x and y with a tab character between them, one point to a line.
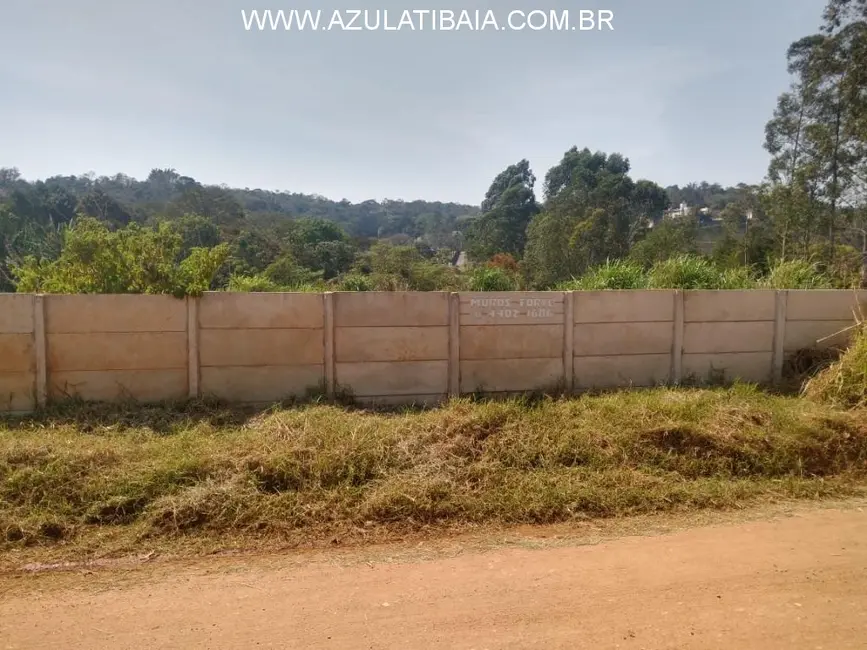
793	583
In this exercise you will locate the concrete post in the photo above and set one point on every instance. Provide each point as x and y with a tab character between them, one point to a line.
328	333
568	342
454	345
40	350
782	299
193	366
677	346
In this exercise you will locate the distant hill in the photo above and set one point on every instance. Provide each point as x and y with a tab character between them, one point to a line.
165	192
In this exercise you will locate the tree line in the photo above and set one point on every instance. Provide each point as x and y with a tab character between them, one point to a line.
589	223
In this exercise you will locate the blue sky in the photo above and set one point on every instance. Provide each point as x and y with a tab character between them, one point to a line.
683	88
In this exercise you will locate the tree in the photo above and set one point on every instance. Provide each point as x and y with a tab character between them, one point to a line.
134	259
593	212
668	238
509	206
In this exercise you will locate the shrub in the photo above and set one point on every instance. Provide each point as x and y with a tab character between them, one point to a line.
685	272
491	279
796	274
619	274
844	383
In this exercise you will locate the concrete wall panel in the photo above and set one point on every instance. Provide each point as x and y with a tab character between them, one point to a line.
16	313
249	347
622	371
824	305
512	308
623	306
261	311
712	338
806	333
394	378
510	375
16	353
722	306
391	309
599	339
261	383
356	344
16	391
141	385
117	351
750	366
114	313
513	342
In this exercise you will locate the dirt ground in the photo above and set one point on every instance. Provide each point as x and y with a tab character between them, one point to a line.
789	583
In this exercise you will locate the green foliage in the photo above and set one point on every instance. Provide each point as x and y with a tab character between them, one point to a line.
509	205
796	274
134	259
285	271
617	274
491	279
355	282
844	383
594	212
254	284
685	272
668	238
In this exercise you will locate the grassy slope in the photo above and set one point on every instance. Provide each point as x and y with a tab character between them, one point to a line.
102	477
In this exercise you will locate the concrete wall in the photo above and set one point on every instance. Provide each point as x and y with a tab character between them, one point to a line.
399	347
511	342
260	347
392	347
102	347
728	335
17	352
623	338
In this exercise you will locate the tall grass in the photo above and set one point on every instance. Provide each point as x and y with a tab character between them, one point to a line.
844	383
695	272
796	274
314	471
616	274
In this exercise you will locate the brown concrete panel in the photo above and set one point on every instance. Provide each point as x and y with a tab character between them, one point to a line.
262	383
720	306
16	313
512	308
711	338
111	385
114	313
510	375
263	347
622	371
391	309
825	305
117	351
394	378
16	353
356	344
599	339
624	306
513	342
747	366
806	333
16	391
222	310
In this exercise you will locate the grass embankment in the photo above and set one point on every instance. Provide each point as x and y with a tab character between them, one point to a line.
104	478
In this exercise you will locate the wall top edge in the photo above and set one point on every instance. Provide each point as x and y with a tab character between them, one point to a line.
319	293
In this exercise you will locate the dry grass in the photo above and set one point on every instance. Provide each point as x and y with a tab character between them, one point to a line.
104	477
843	383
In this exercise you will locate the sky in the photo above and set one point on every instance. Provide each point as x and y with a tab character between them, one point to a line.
682	88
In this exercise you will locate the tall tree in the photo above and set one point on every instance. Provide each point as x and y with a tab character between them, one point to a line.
507	210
